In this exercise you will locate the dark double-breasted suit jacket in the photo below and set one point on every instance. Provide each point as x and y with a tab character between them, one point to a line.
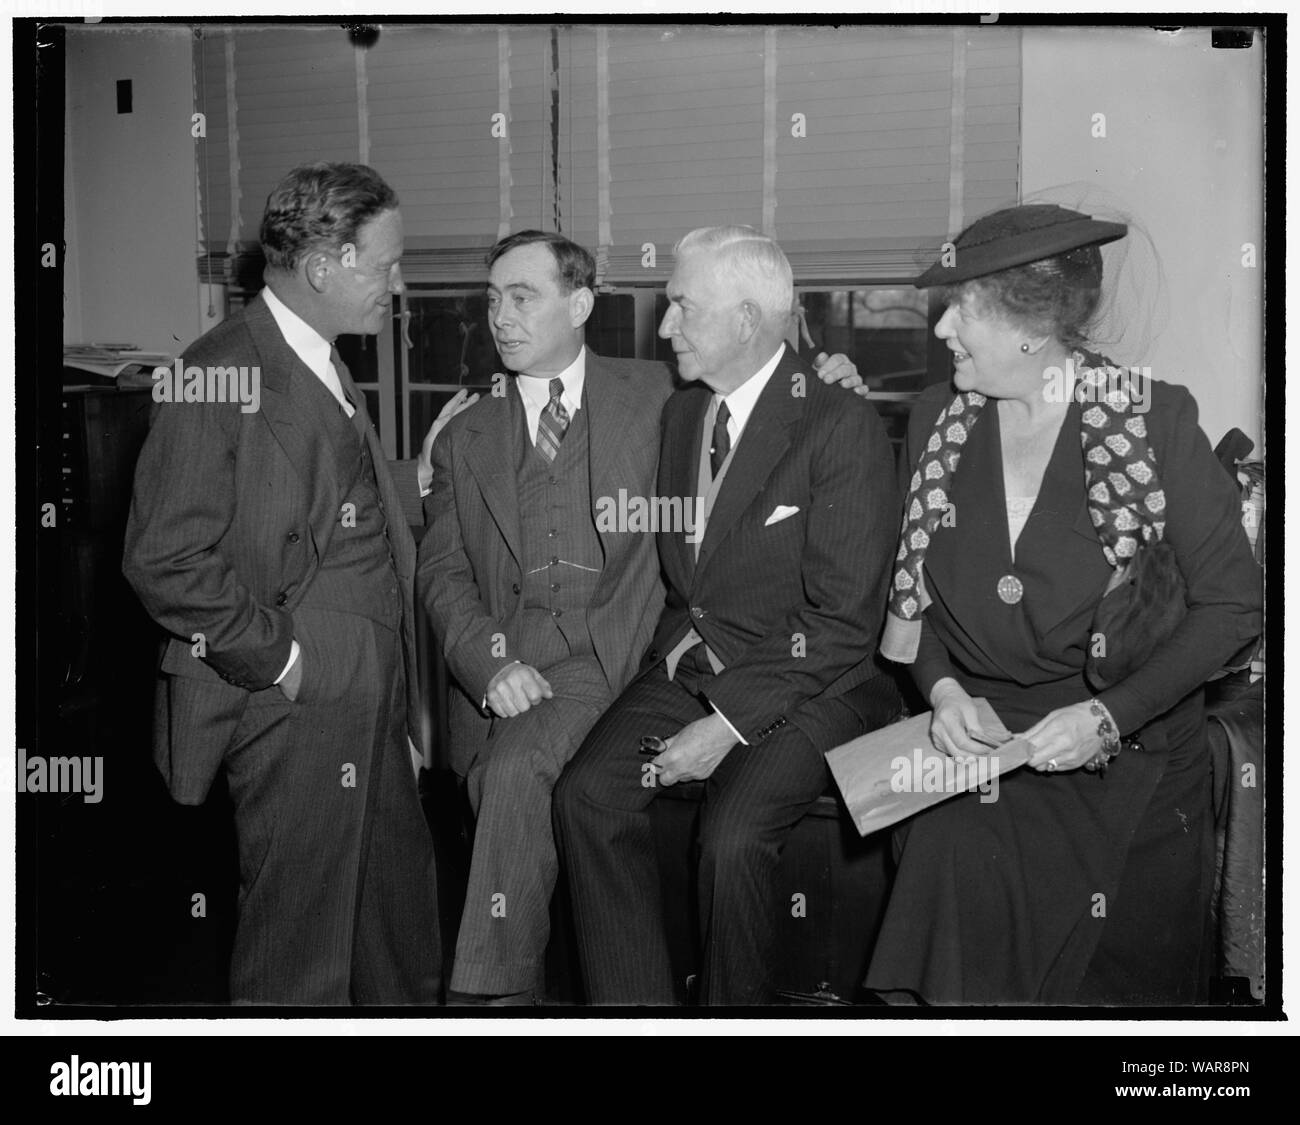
471	559
231	517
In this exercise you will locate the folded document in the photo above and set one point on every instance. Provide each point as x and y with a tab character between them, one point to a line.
895	772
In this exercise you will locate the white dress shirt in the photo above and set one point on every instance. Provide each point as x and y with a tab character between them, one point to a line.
535	391
741	401
309	346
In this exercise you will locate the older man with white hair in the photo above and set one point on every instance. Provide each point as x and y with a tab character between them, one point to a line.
763	656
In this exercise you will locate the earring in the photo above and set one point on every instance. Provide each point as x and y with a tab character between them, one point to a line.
1024	348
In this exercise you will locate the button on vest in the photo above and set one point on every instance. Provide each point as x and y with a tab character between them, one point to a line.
357	572
561	547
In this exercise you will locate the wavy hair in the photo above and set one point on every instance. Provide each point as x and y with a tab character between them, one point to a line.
320	207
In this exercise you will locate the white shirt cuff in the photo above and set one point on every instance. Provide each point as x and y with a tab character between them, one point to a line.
739	736
293	655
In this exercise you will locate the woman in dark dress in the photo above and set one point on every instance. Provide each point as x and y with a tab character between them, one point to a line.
1036	480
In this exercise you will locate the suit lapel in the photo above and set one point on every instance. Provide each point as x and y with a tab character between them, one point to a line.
489	454
608	467
400	542
678	468
762	445
613	464
291	404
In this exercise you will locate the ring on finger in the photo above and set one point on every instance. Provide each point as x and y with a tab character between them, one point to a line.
1051	766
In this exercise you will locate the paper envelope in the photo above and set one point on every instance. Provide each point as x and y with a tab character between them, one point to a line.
895	772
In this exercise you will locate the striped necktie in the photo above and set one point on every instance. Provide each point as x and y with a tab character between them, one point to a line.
553	423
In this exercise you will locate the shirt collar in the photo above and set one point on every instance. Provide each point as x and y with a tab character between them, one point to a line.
741	401
536	389
307	344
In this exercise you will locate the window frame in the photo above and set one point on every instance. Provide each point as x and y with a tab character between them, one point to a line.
395	387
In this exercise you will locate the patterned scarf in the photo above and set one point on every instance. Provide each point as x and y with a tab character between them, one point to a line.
1125	499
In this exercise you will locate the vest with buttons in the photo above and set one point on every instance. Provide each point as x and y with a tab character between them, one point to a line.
562	555
357	572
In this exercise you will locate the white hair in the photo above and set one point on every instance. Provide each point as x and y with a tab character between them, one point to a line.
752	264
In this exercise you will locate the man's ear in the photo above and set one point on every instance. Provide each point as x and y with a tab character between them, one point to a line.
750	318
581	303
316	269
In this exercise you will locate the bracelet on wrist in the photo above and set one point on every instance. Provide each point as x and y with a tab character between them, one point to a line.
1109	735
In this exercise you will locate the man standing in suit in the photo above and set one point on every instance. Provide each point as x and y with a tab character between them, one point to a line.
272	546
543	602
763	656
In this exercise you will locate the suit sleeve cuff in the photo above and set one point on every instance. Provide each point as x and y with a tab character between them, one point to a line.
405	476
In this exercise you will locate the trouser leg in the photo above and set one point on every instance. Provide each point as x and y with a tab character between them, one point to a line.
607	844
505	926
752	801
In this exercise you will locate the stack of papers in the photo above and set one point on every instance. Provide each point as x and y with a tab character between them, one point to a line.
110	360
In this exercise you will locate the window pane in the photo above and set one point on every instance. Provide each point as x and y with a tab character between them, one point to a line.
424	407
372	402
361	354
450	339
611	329
884	332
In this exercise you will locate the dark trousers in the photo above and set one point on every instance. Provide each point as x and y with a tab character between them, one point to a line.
338	893
603	828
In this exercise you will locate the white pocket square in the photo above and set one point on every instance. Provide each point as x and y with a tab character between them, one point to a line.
779	513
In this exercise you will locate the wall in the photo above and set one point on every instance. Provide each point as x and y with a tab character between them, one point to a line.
1183	152
130	210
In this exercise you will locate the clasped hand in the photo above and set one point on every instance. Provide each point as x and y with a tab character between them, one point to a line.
515	689
1064	739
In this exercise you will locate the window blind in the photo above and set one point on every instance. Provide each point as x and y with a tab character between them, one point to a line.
272	98
212	152
861	148
296	102
432	92
907	134
686	131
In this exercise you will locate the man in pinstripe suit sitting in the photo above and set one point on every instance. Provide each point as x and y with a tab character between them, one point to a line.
762	658
540	615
